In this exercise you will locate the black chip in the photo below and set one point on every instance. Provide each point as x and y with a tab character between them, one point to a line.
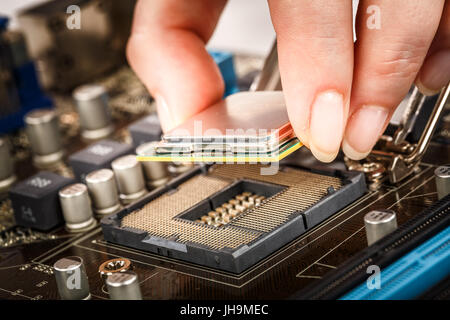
97	156
36	203
145	130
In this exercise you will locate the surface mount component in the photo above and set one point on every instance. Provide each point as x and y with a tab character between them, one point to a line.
42	130
379	223
145	130
91	101
71	279
129	177
170	221
124	286
245	127
97	156
442	176
35	201
156	173
76	207
103	191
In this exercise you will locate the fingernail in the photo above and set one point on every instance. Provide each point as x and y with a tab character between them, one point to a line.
435	73
363	130
165	116
424	90
327	125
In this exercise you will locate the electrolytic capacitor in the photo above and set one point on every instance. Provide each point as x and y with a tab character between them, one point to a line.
156	173
7	176
442	178
129	177
180	167
103	191
379	223
42	130
92	106
71	279
76	207
123	286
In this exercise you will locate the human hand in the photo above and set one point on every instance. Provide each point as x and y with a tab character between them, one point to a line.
337	92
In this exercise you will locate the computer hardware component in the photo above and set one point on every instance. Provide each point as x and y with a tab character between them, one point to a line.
291	202
412	274
245	127
72	56
242	117
156	173
442	177
97	156
116	265
43	132
409	236
103	191
35	200
145	130
124	286
76	208
91	102
65	271
285	149
129	178
27	256
379	223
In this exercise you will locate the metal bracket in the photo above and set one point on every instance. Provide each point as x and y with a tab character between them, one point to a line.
402	158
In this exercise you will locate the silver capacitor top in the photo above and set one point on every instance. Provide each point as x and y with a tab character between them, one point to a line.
7	176
92	106
156	173
129	177
180	167
442	178
123	286
71	279
103	191
378	224
76	207
42	129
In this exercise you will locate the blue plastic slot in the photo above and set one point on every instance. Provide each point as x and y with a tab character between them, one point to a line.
412	274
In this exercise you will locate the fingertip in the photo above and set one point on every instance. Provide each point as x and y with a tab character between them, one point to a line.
423	89
322	156
352	153
327	125
435	73
364	128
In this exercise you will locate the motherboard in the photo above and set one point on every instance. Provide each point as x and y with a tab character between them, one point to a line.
74	196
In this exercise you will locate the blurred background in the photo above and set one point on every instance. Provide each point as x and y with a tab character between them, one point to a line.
245	26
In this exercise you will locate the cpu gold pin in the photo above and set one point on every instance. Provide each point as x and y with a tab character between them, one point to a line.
246	127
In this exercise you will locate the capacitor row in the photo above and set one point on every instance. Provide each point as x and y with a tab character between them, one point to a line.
106	190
